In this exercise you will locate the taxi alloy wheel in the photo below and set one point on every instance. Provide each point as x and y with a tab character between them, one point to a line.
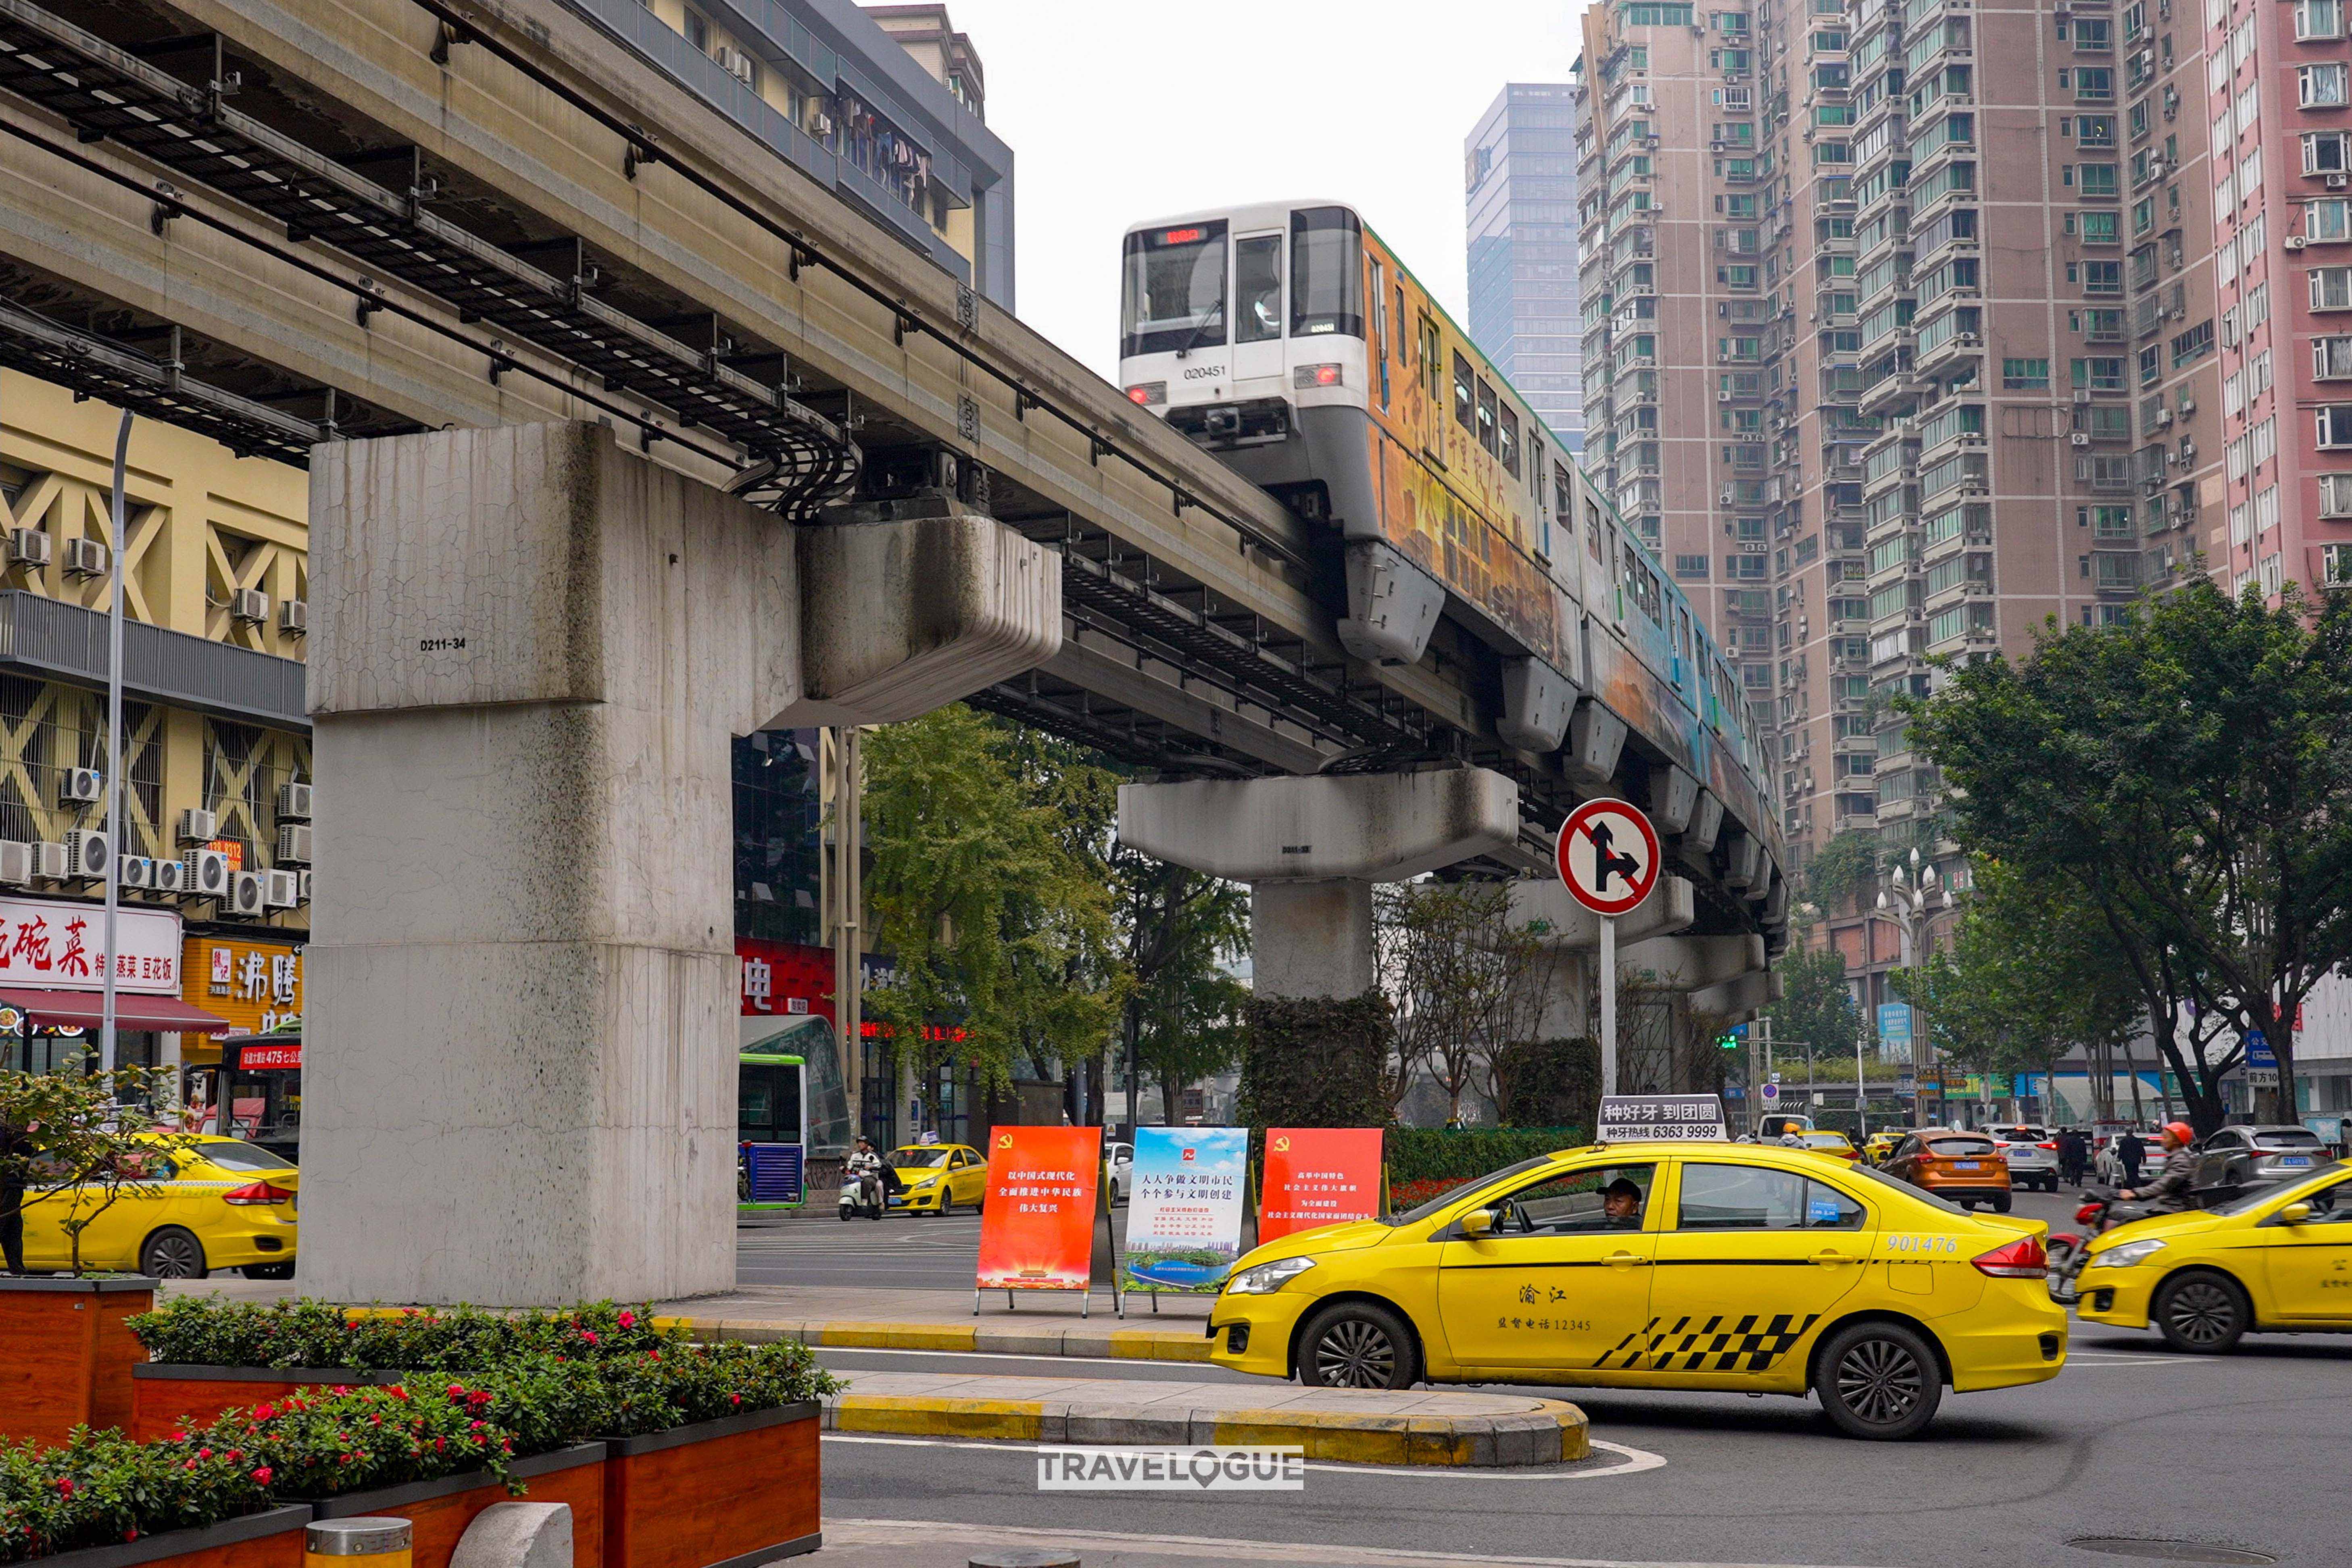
1879	1381
173	1254
2202	1314
1357	1344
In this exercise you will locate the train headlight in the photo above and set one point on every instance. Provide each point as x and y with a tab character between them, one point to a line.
1307	376
1150	395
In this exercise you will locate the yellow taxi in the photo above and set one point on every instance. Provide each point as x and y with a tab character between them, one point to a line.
1879	1145
936	1177
2278	1259
1682	1265
1830	1147
208	1202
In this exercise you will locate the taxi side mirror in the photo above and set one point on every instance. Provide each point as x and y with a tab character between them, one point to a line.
2295	1213
1481	1222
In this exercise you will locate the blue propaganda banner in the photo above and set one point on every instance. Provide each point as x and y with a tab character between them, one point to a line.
1894	1023
1184	1208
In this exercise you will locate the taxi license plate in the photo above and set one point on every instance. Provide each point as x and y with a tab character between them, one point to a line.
1964	1165
2296	1159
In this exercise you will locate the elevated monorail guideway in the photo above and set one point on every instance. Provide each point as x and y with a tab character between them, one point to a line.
286	223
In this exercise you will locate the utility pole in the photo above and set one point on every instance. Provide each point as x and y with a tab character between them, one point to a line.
848	915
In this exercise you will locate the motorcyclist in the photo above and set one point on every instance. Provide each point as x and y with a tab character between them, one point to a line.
863	1162
2169	1193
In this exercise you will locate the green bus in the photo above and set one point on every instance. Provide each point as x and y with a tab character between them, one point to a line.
771	1132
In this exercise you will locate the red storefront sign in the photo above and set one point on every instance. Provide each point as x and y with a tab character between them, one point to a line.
286	1057
783	978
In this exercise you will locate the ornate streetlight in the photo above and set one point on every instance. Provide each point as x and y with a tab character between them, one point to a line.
1911	900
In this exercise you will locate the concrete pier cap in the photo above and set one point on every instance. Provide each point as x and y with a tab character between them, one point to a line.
531	651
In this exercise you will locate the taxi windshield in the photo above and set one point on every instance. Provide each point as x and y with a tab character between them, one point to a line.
1424	1210
2332	1171
914	1159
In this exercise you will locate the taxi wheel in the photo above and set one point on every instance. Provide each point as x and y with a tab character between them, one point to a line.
2201	1313
173	1254
1358	1344
1878	1380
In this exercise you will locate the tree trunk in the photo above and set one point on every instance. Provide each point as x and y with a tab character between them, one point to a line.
2200	1090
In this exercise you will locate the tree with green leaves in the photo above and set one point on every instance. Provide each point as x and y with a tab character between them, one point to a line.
1842	870
77	1141
988	887
2188	775
1182	932
1816	1006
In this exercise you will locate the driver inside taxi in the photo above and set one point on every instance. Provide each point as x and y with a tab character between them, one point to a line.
1620	1202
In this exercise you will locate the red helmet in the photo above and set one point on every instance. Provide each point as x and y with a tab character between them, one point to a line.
2181	1131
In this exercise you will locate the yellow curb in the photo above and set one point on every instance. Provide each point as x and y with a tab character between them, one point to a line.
1575	1430
896	1336
1159	1344
1019	1419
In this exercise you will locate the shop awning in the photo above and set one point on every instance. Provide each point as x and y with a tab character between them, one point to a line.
81	1009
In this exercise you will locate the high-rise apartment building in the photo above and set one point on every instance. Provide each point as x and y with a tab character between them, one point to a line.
1901	324
1519	175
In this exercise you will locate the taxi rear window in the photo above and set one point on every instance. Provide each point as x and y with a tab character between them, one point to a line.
1944	1148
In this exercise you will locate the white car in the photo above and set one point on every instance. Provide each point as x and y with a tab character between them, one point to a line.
2107	1167
1121	1159
2031	1152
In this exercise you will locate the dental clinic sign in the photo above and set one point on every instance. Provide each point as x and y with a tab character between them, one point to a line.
51	945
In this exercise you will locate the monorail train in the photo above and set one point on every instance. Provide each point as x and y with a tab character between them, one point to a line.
1288	338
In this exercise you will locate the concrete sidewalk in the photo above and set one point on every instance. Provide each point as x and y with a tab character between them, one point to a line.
1363	1427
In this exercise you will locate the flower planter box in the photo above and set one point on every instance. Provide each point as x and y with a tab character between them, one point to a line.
162	1393
65	1356
271	1539
719	1494
439	1511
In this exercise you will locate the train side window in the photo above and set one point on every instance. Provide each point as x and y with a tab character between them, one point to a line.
1507	441
1257	288
1466	399
1400	341
1487	418
1563	496
1432	364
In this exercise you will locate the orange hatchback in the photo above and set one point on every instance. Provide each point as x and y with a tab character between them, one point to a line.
1965	1168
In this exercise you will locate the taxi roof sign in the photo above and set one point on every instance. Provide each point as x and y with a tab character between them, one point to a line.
1661	1118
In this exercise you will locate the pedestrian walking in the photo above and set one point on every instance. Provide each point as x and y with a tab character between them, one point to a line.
2130	1152
2070	1155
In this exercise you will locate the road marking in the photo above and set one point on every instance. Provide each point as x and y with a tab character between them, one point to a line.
1631	1461
892	1531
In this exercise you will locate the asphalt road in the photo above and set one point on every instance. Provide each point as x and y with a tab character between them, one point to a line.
2248	1451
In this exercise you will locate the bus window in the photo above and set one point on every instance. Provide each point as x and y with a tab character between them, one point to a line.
1466	399
1173	293
1257	288
1325	273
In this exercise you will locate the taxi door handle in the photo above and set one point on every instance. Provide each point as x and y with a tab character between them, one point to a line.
1827	1258
1626	1261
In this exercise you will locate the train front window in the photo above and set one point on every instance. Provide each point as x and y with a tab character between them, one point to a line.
1257	288
1327	264
1173	293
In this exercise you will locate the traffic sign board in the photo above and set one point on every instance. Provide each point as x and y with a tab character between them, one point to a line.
1608	856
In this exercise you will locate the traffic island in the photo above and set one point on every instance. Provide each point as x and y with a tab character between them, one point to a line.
1346	1425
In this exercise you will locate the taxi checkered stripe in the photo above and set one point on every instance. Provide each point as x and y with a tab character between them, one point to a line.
1761	1347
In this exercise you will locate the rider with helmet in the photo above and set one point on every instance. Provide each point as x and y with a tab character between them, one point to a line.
2168	1193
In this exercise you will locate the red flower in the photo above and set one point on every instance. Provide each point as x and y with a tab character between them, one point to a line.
204	1453
734	1399
265	1412
440	1444
131	1534
456	1391
476	1427
590	1335
189	1466
629	1319
65	1486
234	1455
262	1475
398	1392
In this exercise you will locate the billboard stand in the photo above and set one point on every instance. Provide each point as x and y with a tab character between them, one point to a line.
1184	1211
1037	1221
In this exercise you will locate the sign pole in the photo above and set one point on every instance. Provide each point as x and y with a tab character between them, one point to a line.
1608	1004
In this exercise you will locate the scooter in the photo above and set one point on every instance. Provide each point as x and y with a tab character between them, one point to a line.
863	1196
2069	1249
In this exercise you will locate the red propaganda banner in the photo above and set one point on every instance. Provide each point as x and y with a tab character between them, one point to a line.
1318	1175
1037	1228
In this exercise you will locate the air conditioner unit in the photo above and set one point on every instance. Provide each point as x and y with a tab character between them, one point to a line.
821	125
2163	418
2188	406
2296	242
168	876
284	888
294	802
304	892
134	871
1721	395
2336	182
48	862
88	854
198	826
2078	439
15	862
248	894
1966	340
2082	394
85	558
203	874
29	547
294	616
250	606
79	785
294	844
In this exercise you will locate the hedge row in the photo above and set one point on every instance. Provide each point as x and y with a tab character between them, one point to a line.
207	1331
101	1487
1424	1153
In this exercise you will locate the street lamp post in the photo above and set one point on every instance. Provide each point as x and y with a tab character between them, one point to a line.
1910	901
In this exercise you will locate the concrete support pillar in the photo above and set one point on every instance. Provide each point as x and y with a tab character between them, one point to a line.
529	656
1311	849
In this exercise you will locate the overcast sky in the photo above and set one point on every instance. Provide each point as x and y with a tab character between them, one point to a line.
1119	110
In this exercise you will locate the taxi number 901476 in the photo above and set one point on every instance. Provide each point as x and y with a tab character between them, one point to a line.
1900	1243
